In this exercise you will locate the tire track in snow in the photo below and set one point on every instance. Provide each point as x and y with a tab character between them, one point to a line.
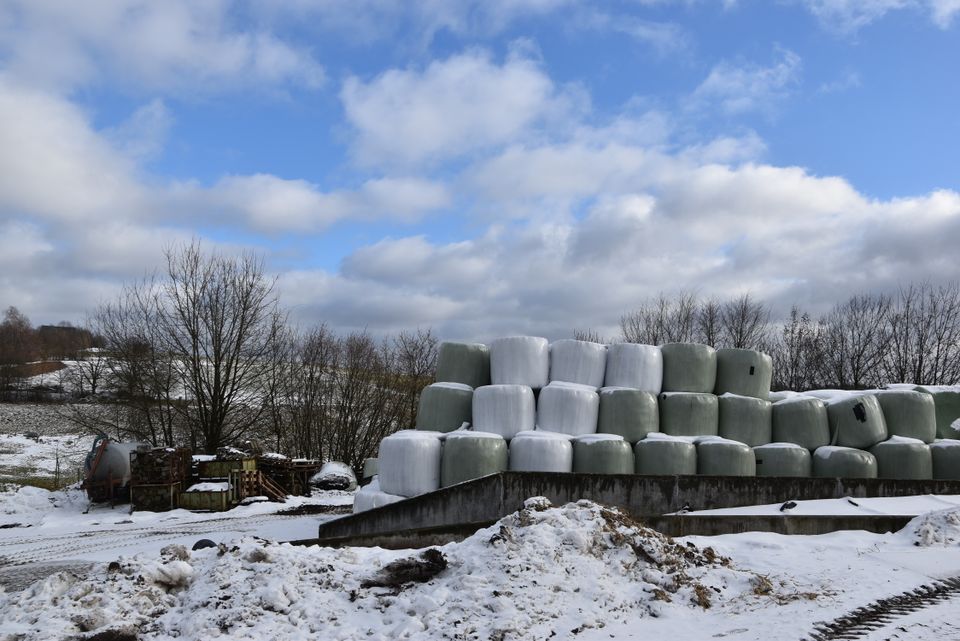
881	613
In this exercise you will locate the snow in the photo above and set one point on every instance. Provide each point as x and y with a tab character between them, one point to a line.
894	506
597	438
463	387
209	486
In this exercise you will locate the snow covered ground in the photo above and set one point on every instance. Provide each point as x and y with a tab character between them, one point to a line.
578	571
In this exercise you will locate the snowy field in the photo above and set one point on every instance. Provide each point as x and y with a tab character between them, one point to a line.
37	438
578	571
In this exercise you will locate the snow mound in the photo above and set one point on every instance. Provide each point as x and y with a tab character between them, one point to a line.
538	571
934	529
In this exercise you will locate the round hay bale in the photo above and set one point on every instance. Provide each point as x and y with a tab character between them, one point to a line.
445	407
540	451
634	365
903	458
834	461
745	419
783	459
856	421
602	454
580	362
801	420
504	409
661	455
467	363
631	413
744	372
689	414
471	455
568	409
689	367
520	360
722	457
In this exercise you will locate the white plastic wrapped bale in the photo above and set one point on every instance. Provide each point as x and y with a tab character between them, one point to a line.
504	409
334	475
688	414
520	360
783	459
369	468
909	414
946	459
722	457
745	419
856	421
540	451
689	367
834	461
370	497
946	399
744	372
445	407
664	455
801	420
900	457
568	409
580	362
470	455
467	363
636	366
628	412
602	454
410	462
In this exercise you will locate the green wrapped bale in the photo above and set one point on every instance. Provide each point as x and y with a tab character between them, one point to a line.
466	363
628	412
783	459
744	372
602	454
370	467
833	461
946	459
662	455
540	451
856	421
801	420
909	414
722	457
903	458
745	419
689	367
688	414
471	455
445	407
946	400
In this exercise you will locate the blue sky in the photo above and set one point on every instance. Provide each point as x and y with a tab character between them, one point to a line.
481	167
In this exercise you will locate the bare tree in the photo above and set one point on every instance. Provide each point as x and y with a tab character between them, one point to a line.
662	320
796	353
415	362
744	323
854	341
709	322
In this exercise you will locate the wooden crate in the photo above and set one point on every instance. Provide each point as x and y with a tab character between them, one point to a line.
208	501
155	497
160	465
218	469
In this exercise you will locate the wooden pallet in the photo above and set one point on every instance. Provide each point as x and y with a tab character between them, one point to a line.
158	497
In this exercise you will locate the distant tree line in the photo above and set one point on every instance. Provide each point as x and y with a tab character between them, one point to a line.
865	341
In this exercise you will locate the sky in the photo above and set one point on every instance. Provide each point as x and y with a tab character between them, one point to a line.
483	168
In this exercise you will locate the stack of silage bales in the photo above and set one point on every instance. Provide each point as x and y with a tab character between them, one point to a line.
527	405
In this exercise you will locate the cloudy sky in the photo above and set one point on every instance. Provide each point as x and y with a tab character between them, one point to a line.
482	167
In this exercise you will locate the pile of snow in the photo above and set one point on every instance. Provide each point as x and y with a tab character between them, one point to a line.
941	528
26	505
538	572
209	486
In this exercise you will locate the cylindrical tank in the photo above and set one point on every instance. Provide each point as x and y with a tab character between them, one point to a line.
631	413
540	451
689	367
504	409
745	419
371	496
467	363
801	420
946	400
661	455
783	459
520	360
688	414
833	461
568	409
602	454
946	459
580	362
903	458
370	466
445	407
470	455
856	421
114	463
722	457
909	414
634	365
409	462
744	372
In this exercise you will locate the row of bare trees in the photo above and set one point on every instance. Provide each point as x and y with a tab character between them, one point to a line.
868	340
202	355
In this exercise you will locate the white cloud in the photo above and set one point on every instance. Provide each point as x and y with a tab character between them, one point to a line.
744	88
176	45
849	16
943	12
450	108
143	135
